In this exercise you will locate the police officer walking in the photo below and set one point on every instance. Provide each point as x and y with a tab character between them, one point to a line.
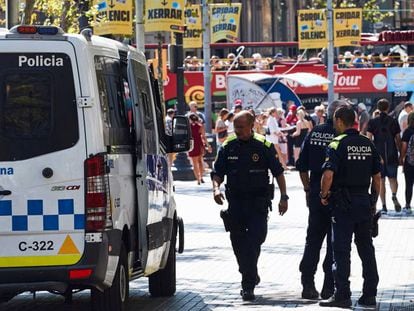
311	158
245	158
352	162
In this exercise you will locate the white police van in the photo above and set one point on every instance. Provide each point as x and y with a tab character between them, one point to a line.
85	190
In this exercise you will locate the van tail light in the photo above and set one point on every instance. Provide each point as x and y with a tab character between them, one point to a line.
97	198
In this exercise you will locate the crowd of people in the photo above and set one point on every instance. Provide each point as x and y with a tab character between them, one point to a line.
348	59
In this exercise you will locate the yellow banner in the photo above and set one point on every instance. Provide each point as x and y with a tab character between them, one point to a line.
114	17
312	28
193	35
224	20
164	15
347	27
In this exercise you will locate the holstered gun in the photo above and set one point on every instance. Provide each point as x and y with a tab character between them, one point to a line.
374	230
224	214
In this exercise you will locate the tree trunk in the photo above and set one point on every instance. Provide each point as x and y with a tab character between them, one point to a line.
64	15
28	11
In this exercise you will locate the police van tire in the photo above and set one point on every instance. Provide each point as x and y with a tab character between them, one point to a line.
115	297
6	296
180	225
163	282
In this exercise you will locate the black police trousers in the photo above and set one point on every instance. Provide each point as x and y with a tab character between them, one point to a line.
319	227
249	216
346	223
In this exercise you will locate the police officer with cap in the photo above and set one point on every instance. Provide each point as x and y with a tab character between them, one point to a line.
351	165
310	159
245	158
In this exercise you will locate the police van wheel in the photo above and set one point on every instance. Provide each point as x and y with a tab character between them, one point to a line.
115	297
163	282
4	297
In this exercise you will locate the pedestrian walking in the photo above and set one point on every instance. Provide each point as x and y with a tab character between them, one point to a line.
352	163
386	134
311	158
245	159
407	160
199	144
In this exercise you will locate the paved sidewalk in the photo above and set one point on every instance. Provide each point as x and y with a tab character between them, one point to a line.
217	281
207	276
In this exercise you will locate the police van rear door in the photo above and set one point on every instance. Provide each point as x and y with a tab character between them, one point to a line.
41	155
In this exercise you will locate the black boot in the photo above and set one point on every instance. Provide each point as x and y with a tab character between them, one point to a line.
247	294
335	302
327	288
310	292
367	300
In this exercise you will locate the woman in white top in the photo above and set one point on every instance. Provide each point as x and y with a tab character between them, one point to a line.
273	134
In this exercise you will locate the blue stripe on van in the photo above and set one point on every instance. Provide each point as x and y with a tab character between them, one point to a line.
50	222
5	208
34	207
19	223
65	207
79	221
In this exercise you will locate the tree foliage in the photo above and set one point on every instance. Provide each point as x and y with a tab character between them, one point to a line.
370	8
2	13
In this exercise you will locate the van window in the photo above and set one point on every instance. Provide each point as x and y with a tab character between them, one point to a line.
145	106
113	100
38	111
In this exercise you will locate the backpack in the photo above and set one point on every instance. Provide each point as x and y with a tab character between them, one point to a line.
410	151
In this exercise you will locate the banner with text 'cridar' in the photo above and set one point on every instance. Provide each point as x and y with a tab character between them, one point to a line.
224	21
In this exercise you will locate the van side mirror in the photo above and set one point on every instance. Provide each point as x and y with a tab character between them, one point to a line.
181	135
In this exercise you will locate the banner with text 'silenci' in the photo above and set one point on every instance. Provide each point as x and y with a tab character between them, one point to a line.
312	29
225	20
164	15
347	26
113	17
193	35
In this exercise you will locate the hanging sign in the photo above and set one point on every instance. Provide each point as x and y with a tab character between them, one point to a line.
114	17
347	27
312	28
164	15
224	21
193	37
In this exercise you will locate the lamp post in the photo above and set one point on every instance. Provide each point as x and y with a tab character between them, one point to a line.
12	13
207	69
331	93
182	169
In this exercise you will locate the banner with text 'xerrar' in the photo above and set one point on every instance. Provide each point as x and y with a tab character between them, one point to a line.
347	26
312	28
224	21
113	17
164	15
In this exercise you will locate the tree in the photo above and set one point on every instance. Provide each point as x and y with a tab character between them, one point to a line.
370	8
2	13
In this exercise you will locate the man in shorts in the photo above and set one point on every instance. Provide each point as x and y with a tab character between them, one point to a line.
385	131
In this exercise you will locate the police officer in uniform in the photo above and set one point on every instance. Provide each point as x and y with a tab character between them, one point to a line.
352	163
245	158
311	158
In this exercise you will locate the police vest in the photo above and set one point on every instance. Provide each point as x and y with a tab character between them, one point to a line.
247	164
356	161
